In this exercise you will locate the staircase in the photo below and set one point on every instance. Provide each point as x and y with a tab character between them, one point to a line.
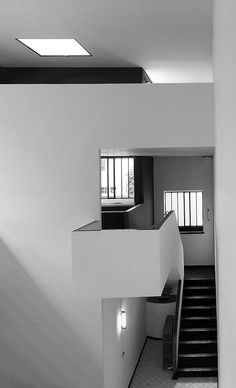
198	331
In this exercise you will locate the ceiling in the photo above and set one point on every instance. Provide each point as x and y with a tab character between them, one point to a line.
170	39
180	151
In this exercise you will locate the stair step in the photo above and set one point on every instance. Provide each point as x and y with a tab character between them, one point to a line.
200	329
199	317
198	347
197	372
197	360
198	341
191	311
199	287
193	297
197	355
198	322
198	300
199	282
198	334
205	307
199	291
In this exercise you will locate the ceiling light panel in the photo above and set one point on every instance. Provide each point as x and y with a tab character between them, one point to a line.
55	47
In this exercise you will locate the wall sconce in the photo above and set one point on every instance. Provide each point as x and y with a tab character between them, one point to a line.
123	319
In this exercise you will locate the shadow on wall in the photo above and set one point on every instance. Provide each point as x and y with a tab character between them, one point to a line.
37	348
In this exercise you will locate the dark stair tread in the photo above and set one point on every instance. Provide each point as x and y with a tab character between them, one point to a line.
199	297
198	335
198	341
205	308
201	312
199	281
198	355
197	317
197	329
197	324
199	292
206	301
195	361
197	347
197	286
202	369
197	372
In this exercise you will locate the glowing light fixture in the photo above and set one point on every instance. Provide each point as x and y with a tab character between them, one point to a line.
123	319
55	47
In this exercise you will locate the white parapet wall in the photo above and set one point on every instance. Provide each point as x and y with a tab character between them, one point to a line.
125	263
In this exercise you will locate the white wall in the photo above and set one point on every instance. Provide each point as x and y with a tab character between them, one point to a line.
156	316
49	185
188	173
225	185
126	262
122	347
116	263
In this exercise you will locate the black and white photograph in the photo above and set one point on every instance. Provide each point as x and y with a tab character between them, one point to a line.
117	193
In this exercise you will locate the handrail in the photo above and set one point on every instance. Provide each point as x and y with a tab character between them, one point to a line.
122	211
177	326
93	226
134	207
162	220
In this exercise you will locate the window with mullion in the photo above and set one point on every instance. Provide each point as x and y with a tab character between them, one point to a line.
117	178
188	209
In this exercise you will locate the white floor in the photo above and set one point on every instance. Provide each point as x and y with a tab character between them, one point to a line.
149	373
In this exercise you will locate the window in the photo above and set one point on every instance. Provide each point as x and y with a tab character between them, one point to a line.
187	206
117	178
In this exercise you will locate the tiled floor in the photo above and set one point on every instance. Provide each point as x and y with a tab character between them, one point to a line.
149	373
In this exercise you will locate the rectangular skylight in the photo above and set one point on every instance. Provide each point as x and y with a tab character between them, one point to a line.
55	47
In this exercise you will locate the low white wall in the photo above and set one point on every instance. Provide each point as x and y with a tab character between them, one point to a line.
122	347
115	263
171	251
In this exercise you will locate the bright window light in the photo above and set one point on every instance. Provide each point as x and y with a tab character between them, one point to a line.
123	319
55	47
188	209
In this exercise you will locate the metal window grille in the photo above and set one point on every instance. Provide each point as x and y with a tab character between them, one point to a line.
117	177
188	208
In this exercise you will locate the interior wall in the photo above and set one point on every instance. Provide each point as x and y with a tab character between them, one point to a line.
143	216
188	173
225	185
122	347
49	184
156	316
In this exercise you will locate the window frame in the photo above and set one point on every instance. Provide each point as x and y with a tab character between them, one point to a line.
113	199
188	229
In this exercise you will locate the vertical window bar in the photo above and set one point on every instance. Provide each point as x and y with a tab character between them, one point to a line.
178	207
181	208
196	207
128	179
121	177
189	208
108	196
184	209
114	177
